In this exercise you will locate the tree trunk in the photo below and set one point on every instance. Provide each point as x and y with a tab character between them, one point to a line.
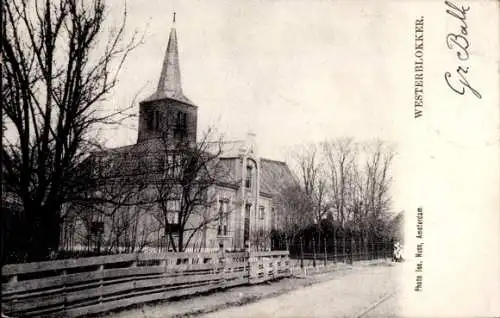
44	234
180	246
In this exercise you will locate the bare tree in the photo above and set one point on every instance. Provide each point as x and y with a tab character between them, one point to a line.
184	189
260	239
309	163
112	213
341	155
311	173
58	67
375	192
351	181
293	207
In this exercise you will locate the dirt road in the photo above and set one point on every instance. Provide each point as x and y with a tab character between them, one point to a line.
367	292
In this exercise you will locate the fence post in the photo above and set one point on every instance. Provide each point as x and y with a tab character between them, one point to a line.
314	252
344	256
367	249
163	263
334	248
326	253
63	277
352	251
301	253
355	249
249	261
277	260
12	279
101	281
222	265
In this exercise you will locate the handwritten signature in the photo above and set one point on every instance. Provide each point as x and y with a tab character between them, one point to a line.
460	44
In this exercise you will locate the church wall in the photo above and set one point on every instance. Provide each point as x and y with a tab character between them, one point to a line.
145	229
126	229
167	110
227	197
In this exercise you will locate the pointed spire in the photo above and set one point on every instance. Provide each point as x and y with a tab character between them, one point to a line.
169	85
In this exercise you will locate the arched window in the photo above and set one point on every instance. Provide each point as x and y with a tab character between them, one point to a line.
248	179
223	217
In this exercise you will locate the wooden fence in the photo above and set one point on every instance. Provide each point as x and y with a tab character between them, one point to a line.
77	287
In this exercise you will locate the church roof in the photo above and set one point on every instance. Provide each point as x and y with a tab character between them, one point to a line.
275	176
152	145
169	85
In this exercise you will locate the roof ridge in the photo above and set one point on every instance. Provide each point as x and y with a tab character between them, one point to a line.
273	160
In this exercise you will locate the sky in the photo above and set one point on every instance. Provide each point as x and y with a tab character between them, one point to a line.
292	72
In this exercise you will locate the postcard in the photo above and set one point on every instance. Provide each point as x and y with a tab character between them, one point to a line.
283	158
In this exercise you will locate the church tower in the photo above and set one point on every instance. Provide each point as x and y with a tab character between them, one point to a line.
168	112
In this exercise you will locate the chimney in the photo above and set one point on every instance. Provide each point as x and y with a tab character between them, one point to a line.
250	141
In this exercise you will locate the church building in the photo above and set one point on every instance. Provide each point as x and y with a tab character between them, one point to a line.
241	203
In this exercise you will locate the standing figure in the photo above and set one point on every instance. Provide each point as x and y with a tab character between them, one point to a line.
396	255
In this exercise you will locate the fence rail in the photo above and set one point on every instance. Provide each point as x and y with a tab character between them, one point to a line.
76	287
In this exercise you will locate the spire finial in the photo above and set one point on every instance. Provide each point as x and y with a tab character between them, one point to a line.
174	16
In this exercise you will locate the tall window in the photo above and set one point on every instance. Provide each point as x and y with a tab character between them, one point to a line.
153	120
261	212
157	120
97	228
150	120
179	165
173	211
162	163
248	180
170	166
246	231
181	124
223	218
174	165
273	219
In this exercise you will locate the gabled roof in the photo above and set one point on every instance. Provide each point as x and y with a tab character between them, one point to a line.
227	173
142	148
275	176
